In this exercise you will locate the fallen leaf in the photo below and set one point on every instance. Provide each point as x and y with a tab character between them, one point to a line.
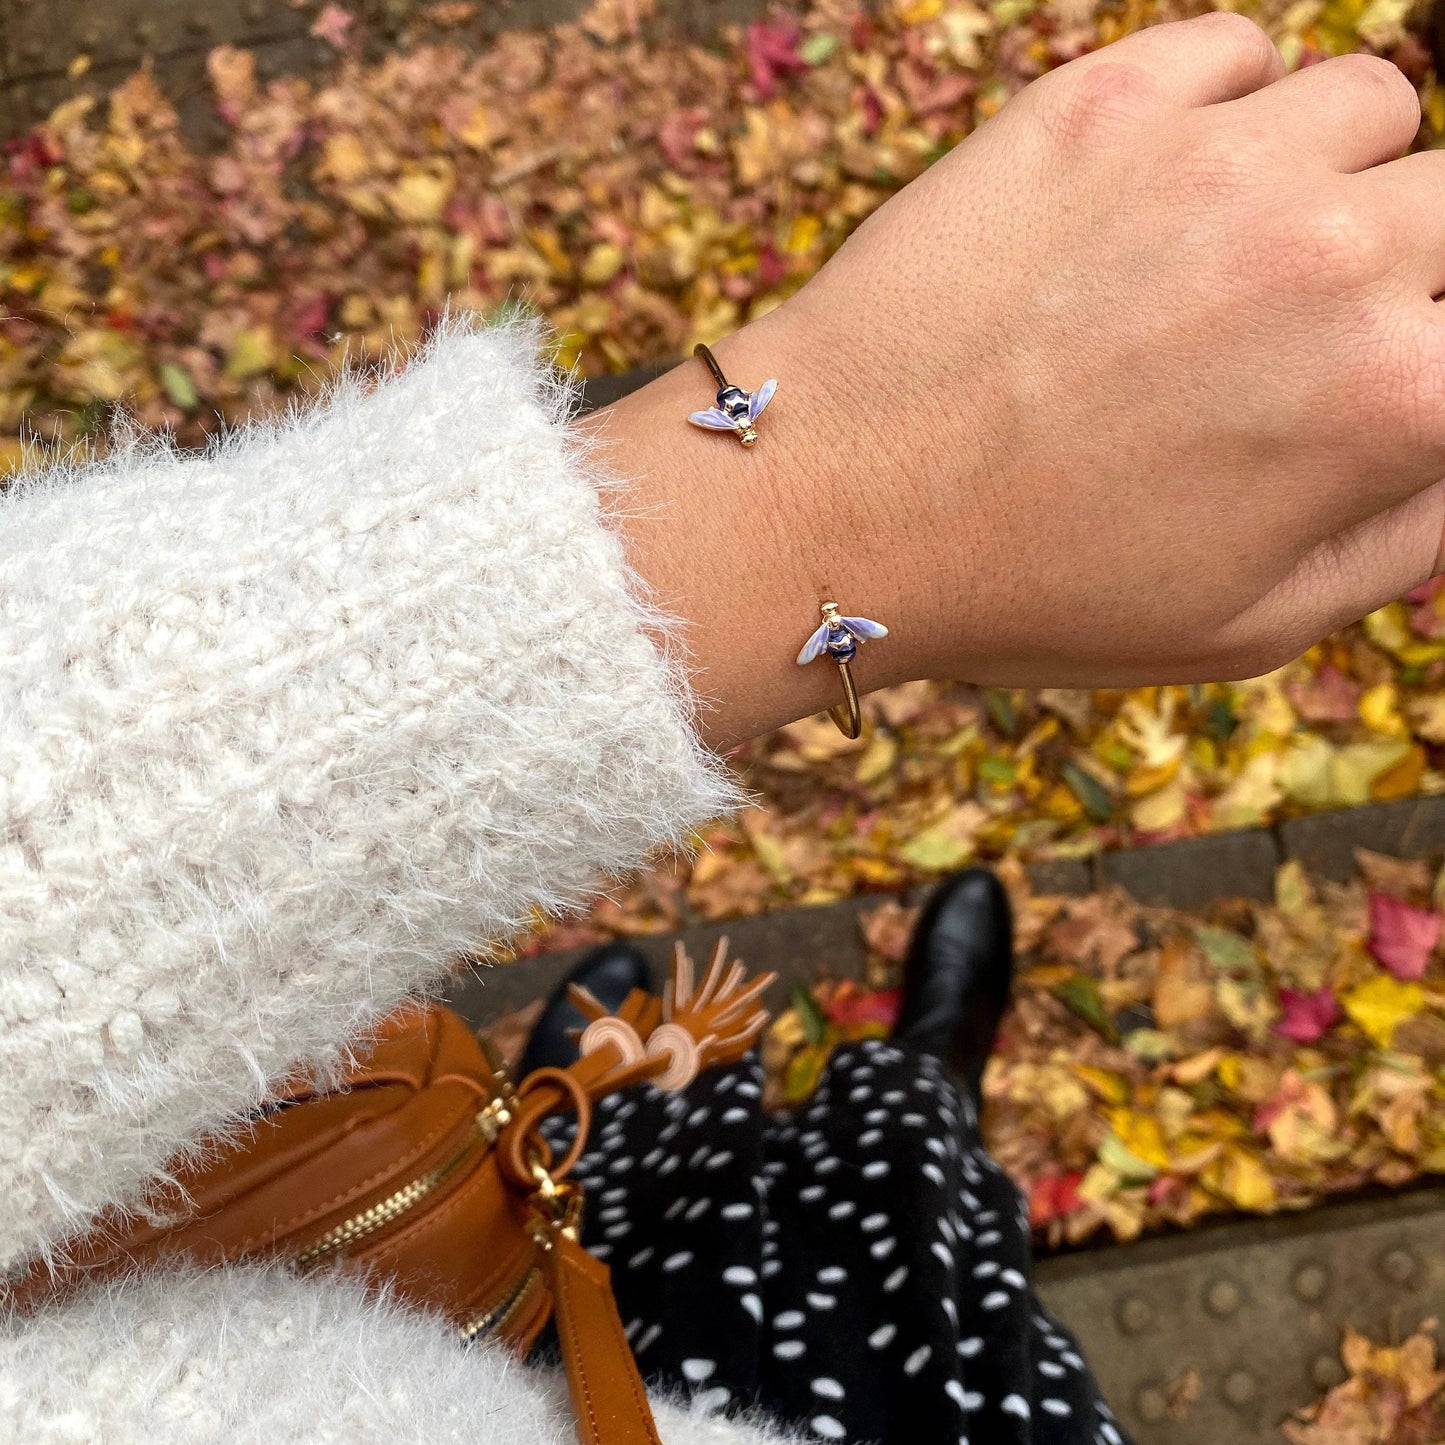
1402	936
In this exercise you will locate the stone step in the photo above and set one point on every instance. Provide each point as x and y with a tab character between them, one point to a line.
1253	1309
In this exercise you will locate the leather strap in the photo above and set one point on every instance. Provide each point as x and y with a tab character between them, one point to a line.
608	1397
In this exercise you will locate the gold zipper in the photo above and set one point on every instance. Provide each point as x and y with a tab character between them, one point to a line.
488	1123
501	1315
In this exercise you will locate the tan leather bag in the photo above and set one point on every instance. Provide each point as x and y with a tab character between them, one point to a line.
427	1171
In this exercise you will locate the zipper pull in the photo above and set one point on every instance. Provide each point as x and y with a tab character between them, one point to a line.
608	1396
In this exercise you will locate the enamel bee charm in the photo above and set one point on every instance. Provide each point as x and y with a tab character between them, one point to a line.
735	410
840	638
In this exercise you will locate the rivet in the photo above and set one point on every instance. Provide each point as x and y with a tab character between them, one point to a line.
254	9
1222	1298
32	50
1151	1405
1398	1266
1327	1372
1239	1387
1134	1315
1311	1281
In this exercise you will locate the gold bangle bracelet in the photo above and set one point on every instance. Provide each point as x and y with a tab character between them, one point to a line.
839	638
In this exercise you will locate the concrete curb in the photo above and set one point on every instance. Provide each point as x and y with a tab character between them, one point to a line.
1191	874
39	40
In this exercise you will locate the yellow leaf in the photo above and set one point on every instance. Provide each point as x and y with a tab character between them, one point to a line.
1381	1004
1403	779
804	1072
1390	628
949	843
603	262
1160	811
803	235
1428	711
770	854
344	160
1251	797
477	132
1141	1135
1379	710
420	194
1112	1088
877	759
252	352
1248	1006
1239	1176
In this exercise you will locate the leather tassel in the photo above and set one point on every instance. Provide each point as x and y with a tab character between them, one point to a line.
608	1397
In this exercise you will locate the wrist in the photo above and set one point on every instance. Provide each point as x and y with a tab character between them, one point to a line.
742	544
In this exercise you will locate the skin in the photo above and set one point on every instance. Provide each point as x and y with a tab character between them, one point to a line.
1144	382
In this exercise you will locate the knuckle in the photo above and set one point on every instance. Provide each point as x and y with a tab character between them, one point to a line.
1098	99
1238	37
1394	93
1333	245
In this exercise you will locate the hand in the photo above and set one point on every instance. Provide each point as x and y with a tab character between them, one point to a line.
1145	381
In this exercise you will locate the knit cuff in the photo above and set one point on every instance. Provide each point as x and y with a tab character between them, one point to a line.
286	730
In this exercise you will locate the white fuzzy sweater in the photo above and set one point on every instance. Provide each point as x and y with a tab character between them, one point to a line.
283	731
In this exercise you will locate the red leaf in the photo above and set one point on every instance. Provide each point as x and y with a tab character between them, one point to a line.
1402	936
852	1006
1306	1016
333	25
677	134
773	54
1053	1196
1329	696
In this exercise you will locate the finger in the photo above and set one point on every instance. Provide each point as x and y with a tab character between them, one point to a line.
1364	568
1409	195
1211	58
1354	111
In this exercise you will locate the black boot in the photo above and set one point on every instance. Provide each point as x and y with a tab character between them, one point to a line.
960	965
610	972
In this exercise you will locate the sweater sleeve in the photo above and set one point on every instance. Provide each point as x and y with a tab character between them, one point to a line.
286	729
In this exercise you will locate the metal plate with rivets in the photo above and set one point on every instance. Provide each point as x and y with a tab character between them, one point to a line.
1255	1308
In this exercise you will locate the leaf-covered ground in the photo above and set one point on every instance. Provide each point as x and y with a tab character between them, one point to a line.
1158	1066
1393	1394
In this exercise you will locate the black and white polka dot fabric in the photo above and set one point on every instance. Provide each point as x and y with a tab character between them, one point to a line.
857	1267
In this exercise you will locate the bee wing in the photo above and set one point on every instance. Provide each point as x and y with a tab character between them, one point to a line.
862	628
760	398
814	646
712	419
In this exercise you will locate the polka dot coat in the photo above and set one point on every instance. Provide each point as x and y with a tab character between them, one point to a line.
858	1267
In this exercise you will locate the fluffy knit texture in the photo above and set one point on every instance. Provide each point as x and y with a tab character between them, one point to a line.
258	1358
284	730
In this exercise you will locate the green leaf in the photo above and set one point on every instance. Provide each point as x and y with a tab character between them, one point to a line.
1001	711
1088	790
1226	951
1080	995
1220	721
178	386
996	771
1116	1155
817	48
815	1026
